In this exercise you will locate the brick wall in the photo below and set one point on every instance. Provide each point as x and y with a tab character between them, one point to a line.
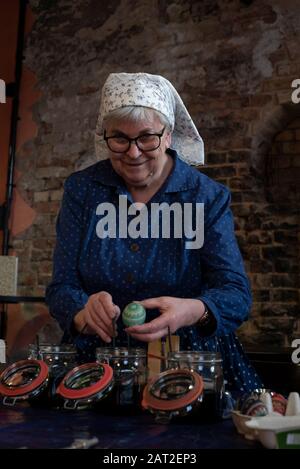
283	165
233	65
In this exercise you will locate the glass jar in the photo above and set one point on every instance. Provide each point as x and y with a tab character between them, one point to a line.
60	359
209	366
173	393
130	376
85	385
23	380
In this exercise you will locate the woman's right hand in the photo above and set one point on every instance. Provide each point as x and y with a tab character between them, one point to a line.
98	316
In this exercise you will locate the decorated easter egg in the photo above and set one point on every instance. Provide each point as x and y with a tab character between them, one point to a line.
257	409
251	400
133	314
279	403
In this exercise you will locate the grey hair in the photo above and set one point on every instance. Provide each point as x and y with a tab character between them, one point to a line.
135	114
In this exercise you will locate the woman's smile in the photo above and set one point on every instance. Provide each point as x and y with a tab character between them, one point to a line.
137	167
134	164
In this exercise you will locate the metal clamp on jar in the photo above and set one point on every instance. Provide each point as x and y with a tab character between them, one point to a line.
37	378
85	385
23	380
209	366
130	376
173	393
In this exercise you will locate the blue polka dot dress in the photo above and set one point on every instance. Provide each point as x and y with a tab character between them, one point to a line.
146	267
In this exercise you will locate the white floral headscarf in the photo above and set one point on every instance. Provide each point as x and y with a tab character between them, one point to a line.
155	92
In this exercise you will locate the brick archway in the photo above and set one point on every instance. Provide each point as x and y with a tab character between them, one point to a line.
268	127
281	220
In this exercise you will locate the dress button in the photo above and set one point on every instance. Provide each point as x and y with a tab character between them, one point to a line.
129	277
135	247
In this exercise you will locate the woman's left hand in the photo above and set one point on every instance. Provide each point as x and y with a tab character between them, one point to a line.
175	313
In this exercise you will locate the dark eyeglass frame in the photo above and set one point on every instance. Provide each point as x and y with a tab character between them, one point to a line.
135	140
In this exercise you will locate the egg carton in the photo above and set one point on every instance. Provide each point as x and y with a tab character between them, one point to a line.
273	430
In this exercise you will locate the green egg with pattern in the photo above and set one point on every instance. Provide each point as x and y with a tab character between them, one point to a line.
133	314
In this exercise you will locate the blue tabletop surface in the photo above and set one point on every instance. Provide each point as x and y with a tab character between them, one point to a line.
22	426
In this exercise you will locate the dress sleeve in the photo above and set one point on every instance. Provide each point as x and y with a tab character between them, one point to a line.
65	295
225	287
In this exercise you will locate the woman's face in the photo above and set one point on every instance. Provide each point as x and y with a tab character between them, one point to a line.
137	167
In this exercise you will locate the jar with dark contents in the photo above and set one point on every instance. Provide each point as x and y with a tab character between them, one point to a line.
130	377
174	393
209	366
60	359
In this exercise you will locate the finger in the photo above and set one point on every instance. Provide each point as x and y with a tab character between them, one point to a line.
117	311
94	327
87	329
106	311
150	303
100	319
105	299
151	327
101	325
105	337
150	337
114	327
109	314
98	327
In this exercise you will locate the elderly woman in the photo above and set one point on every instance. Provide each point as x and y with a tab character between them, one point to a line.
147	141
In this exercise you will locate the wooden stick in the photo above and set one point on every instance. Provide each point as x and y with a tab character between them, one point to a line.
128	342
170	340
37	339
83	329
159	357
163	352
114	330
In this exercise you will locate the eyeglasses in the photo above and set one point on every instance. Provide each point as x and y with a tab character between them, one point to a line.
145	142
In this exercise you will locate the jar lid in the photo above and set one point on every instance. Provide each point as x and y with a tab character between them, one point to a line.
23	378
86	381
172	390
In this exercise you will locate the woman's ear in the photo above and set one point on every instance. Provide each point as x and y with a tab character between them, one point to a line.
168	139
